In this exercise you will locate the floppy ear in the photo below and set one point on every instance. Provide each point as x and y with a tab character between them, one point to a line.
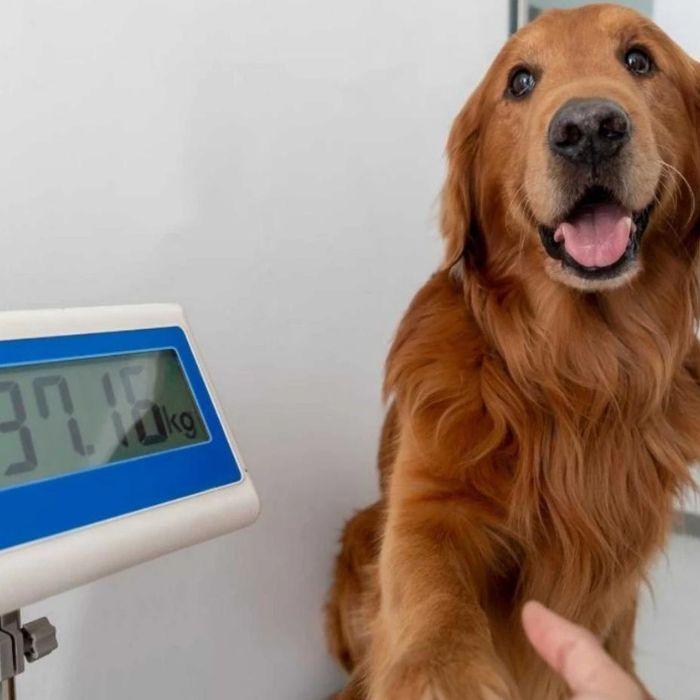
694	97
458	216
695	110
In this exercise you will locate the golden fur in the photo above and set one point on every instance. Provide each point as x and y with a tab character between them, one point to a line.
539	427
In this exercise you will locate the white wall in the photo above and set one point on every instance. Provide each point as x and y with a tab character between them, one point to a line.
640	5
680	18
668	643
272	165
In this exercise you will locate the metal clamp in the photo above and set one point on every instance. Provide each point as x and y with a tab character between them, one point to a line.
32	642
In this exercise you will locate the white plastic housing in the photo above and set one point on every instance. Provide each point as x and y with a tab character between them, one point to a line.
32	572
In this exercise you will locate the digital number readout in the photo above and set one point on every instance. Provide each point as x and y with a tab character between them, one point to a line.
62	417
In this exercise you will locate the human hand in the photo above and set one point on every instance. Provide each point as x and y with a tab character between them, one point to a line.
578	657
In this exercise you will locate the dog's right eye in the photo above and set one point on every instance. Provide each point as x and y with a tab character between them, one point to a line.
521	82
638	62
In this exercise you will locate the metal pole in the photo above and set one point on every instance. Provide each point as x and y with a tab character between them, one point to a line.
17	642
523	6
7	690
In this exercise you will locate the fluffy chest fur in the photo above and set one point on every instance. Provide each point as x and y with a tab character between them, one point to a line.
566	429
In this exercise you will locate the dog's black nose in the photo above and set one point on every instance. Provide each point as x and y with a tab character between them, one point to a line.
588	131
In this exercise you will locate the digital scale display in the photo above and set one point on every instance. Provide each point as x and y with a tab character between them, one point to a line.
113	451
62	417
106	423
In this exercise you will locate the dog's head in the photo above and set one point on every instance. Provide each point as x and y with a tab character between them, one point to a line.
578	153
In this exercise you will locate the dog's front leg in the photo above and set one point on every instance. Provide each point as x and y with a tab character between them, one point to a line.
432	639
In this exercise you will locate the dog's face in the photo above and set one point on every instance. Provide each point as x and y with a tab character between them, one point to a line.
577	151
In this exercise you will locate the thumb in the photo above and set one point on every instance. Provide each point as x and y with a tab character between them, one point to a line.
576	655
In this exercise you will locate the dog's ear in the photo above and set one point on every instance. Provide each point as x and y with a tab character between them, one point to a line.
695	142
694	96
696	92
458	215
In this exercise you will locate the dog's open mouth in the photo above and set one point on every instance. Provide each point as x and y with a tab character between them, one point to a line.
599	238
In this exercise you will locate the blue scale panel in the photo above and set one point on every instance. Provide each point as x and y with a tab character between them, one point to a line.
34	509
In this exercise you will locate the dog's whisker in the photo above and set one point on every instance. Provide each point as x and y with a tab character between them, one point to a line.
680	178
671	187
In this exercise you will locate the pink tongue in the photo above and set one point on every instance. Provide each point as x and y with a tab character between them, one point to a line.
598	236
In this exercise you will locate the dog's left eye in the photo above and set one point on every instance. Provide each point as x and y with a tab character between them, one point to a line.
638	62
521	82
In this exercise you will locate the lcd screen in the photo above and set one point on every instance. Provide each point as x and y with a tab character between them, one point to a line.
62	417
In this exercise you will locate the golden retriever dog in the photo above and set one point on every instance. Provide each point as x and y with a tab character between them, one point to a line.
543	386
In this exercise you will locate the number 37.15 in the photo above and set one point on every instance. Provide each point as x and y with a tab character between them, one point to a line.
41	387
